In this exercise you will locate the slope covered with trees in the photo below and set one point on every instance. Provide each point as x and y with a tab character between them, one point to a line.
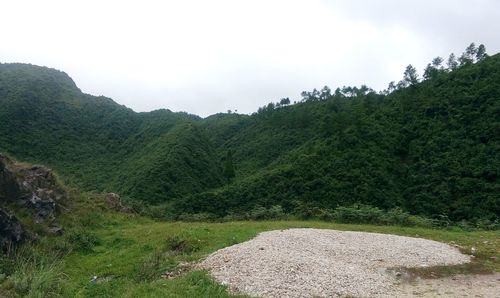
430	147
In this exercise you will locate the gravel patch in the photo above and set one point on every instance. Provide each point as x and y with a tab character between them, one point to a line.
324	263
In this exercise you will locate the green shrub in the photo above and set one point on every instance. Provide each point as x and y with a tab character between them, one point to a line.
182	244
465	225
262	213
83	241
234	216
205	216
276	212
58	245
309	211
358	214
364	214
258	213
442	221
419	221
487	224
93	220
156	211
153	265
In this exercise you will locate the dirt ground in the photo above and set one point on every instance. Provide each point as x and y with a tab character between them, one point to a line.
485	285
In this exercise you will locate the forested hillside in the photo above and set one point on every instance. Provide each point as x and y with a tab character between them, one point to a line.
430	147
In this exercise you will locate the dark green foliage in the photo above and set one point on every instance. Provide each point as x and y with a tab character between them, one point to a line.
431	149
373	215
229	167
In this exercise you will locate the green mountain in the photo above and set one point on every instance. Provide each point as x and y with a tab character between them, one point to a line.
96	143
431	148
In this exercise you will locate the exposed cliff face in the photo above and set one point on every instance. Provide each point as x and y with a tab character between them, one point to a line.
26	187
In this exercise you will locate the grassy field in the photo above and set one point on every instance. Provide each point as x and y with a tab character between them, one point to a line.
129	254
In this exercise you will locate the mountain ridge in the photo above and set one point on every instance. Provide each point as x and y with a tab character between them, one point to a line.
428	148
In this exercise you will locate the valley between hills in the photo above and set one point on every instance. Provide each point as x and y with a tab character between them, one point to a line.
97	200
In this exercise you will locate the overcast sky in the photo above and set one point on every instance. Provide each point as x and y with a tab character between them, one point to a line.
205	57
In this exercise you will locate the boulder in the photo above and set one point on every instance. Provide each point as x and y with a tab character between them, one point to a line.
114	202
11	231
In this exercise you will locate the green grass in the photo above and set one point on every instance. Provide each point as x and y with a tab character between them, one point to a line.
130	253
127	246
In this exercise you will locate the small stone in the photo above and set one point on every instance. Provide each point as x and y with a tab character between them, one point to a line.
58	231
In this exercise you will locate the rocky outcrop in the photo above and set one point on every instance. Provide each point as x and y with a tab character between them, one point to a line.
32	187
11	231
39	192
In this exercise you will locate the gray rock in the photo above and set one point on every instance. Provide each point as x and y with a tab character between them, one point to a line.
11	231
114	202
58	231
32	188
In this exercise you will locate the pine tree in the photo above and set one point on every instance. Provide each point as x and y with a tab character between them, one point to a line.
437	63
430	71
410	75
452	62
481	52
469	55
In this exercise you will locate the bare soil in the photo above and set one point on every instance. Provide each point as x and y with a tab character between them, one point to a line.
483	285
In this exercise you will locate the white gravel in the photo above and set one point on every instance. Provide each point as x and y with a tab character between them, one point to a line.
324	263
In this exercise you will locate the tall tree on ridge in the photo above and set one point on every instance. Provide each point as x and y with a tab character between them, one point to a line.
469	55
481	52
437	63
410	76
452	62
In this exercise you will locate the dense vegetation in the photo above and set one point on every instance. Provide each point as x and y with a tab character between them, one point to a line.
428	147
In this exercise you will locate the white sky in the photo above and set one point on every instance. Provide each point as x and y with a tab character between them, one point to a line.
205	57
